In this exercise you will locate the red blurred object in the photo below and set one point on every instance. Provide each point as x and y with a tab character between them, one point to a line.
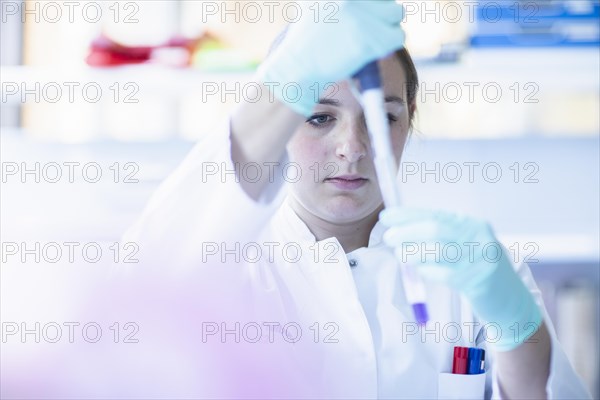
459	361
105	52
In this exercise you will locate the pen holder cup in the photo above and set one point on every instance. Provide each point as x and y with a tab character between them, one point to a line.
459	386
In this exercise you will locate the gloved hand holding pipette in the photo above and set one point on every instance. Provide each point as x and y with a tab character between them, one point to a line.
331	49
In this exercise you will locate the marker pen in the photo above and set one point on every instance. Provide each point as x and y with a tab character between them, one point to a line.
475	361
460	360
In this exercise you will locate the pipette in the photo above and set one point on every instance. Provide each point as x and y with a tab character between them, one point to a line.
373	103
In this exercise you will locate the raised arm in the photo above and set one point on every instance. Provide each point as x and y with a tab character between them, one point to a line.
259	134
312	55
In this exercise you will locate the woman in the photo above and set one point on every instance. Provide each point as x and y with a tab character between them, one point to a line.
313	249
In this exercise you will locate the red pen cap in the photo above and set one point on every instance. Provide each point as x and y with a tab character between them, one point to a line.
459	361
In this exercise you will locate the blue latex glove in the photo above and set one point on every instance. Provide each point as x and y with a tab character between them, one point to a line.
486	278
319	52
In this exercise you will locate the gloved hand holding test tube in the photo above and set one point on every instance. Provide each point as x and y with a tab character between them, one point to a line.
372	99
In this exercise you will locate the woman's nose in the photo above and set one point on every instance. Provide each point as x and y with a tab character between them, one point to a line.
352	143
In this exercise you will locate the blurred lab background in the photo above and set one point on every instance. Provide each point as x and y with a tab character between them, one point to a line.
157	63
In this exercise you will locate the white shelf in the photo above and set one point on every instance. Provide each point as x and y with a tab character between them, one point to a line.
151	79
572	69
559	69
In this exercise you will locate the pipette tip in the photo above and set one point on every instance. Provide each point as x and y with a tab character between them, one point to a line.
420	311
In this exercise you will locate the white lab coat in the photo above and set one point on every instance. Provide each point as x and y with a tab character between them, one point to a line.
367	345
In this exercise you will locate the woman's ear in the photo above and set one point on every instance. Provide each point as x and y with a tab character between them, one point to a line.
412	109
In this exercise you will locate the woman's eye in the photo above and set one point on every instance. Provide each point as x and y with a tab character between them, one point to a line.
322	120
319	120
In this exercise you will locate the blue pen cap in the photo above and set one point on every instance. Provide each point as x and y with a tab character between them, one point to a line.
475	361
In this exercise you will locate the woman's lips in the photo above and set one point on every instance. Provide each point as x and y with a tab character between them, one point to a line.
347	183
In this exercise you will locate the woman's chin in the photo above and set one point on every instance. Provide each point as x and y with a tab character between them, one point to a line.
345	209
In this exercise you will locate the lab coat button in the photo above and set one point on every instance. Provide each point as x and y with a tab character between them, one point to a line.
353	263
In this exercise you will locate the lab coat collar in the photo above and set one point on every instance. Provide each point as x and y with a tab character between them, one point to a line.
292	224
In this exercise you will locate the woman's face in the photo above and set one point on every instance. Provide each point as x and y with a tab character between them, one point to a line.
332	147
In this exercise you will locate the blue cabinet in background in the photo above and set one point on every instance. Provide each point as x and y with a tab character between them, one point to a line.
540	23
